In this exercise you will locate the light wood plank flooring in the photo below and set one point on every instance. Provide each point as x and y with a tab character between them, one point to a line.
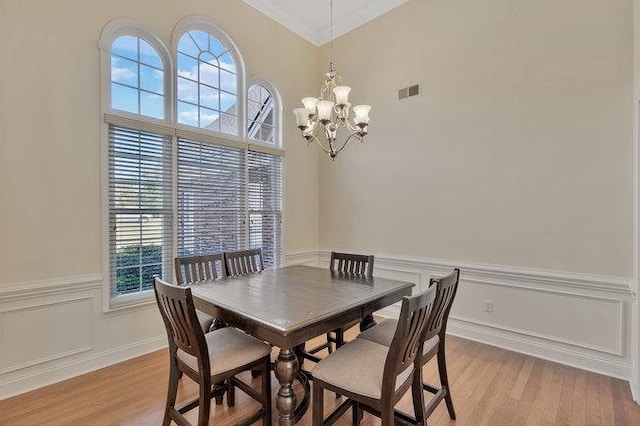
490	386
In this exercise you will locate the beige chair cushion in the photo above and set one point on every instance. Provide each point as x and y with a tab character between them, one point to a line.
384	331
357	367
205	321
228	349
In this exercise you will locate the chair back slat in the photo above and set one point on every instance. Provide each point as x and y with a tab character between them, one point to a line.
407	342
447	287
244	262
354	264
193	269
180	318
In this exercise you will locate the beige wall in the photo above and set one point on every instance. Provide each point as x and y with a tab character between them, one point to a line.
50	179
519	151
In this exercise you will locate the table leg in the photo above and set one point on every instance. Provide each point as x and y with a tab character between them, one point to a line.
286	371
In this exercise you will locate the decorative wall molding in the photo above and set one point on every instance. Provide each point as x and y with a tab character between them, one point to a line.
27	380
306	257
539	347
30	289
50	316
633	383
69	311
611	294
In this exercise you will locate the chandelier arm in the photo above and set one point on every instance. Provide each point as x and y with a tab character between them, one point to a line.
350	126
316	140
353	135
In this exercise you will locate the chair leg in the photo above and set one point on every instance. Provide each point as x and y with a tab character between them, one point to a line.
219	397
231	393
339	338
204	403
174	376
418	397
387	414
367	322
329	338
444	380
356	413
266	391
318	404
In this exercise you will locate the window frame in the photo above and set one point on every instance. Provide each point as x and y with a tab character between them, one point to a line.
277	111
200	23
169	126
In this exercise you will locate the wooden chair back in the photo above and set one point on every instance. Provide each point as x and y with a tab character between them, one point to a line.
447	287
407	342
180	320
356	264
243	262
193	269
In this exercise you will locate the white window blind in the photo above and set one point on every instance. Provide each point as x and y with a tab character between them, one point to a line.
265	205
212	207
140	208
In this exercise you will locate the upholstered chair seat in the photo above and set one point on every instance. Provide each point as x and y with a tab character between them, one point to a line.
358	367
383	332
229	349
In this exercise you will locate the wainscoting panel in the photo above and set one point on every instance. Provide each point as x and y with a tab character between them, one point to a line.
575	319
583	321
44	332
54	330
51	331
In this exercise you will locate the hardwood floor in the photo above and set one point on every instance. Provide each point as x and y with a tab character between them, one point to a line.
490	386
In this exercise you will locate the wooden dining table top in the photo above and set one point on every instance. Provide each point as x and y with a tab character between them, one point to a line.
287	306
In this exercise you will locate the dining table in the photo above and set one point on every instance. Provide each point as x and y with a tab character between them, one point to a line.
288	306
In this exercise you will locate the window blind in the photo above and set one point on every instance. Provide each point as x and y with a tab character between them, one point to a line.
265	205
212	205
140	208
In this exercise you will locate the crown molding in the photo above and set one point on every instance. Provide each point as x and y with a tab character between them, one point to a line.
321	35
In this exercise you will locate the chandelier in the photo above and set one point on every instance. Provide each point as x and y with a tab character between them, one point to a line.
324	119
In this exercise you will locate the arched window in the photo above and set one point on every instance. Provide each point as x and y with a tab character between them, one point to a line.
261	115
172	187
137	77
207	82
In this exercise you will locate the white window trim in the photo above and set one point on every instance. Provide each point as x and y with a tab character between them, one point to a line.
111	31
131	26
205	24
278	112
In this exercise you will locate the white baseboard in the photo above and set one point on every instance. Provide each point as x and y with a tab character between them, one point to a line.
40	377
633	383
540	348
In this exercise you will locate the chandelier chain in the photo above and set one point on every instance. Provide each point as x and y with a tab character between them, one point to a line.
331	29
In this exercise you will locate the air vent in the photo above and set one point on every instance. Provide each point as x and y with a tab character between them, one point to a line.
407	92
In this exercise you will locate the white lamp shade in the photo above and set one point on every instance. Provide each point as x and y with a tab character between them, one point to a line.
342	94
362	114
310	103
302	116
324	109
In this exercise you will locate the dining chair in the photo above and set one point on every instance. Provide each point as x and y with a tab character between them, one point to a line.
434	339
357	265
372	376
243	262
215	357
193	269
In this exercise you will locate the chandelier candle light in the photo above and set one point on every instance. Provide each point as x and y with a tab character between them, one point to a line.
331	110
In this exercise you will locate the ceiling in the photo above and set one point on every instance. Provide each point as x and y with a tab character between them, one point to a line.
311	18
